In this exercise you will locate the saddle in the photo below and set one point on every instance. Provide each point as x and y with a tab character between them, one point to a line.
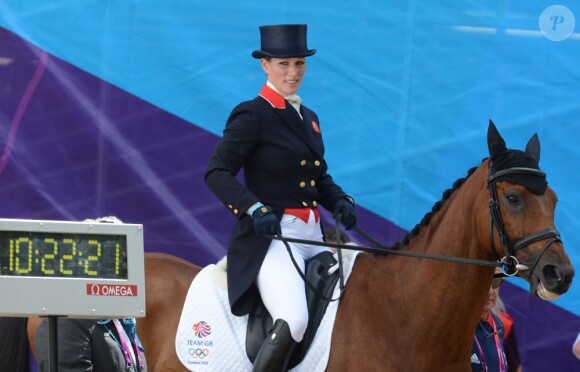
260	321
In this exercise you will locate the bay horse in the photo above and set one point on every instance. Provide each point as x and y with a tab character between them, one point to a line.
415	313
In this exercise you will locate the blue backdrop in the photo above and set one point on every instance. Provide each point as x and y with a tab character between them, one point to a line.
113	107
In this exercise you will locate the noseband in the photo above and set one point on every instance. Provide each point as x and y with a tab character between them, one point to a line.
510	264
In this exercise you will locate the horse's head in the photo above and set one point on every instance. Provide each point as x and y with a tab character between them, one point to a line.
522	217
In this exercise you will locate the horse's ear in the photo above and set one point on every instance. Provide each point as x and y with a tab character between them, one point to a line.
495	142
533	147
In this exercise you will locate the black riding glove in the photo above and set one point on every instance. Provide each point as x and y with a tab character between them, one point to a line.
265	221
348	214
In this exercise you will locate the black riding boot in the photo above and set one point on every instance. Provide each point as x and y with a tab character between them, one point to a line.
276	350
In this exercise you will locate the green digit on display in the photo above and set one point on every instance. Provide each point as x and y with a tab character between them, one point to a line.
117	258
68	257
95	243
18	243
49	256
11	258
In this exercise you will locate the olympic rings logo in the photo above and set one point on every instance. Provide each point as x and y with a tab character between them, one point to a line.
198	353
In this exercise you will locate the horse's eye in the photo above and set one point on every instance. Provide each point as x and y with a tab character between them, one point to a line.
513	198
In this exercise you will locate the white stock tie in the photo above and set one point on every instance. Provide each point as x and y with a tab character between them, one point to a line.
294	99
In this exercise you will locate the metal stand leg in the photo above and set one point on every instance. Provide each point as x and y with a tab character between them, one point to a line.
53	343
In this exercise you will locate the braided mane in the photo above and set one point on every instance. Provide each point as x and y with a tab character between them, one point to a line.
429	215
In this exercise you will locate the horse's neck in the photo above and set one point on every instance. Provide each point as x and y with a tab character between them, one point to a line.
456	229
435	302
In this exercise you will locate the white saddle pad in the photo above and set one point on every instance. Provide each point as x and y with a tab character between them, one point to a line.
210	338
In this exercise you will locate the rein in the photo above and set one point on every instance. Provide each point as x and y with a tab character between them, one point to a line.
377	249
312	242
383	250
509	264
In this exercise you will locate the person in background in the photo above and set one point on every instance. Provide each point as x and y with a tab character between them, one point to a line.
510	340
488	352
330	237
278	142
576	347
92	345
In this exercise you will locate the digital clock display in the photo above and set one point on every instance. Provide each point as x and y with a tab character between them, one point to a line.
63	255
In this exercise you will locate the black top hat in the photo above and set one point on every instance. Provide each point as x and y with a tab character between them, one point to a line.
283	41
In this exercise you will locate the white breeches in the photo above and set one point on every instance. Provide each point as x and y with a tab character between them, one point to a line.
281	287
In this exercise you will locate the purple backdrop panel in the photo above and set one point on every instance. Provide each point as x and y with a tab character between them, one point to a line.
545	332
75	147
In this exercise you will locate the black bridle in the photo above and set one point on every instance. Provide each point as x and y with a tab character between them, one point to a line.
510	265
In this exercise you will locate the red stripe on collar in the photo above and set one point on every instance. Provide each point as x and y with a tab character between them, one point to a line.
273	97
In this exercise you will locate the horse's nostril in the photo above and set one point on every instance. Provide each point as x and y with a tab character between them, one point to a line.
549	272
555	278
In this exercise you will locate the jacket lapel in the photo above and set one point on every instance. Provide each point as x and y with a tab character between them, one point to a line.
303	128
